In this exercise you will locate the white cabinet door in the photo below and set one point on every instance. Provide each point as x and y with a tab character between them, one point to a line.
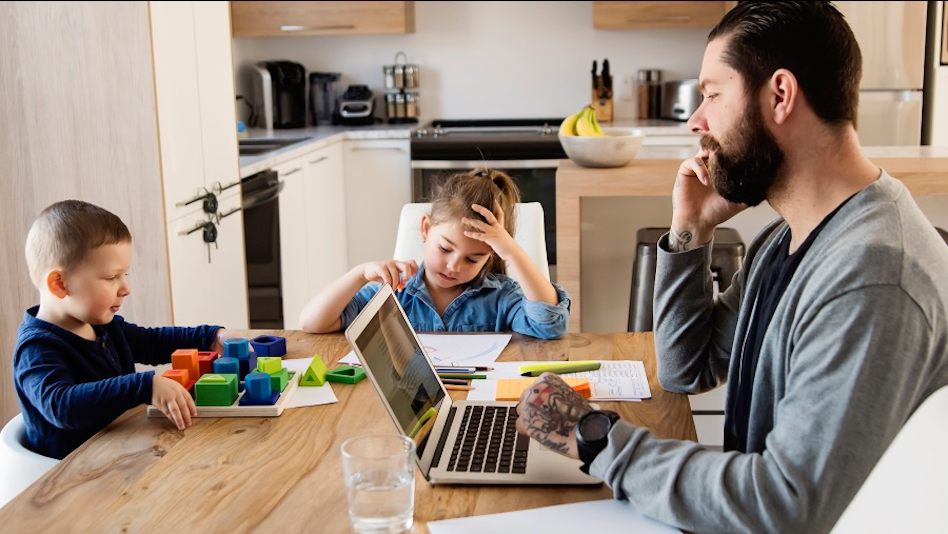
378	184
325	217
204	276
294	252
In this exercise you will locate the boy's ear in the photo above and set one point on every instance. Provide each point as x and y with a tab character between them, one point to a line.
56	284
425	225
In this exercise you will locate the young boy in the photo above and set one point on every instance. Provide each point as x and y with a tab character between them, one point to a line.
74	363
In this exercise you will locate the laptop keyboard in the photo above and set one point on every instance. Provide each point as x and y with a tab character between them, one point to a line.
488	442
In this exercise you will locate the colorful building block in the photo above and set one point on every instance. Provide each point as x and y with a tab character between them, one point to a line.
257	386
315	374
346	374
206	362
216	390
226	366
278	381
180	376
269	364
186	359
236	347
246	400
269	345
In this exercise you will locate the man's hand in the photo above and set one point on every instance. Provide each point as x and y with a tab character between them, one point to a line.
548	412
173	400
697	207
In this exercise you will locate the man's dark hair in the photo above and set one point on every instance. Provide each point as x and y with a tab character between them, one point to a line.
810	39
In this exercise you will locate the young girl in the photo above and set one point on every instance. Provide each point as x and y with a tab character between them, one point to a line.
461	285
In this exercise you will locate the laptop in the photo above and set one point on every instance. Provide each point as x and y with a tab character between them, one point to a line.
457	442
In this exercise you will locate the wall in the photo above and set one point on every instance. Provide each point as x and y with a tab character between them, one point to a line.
493	59
69	131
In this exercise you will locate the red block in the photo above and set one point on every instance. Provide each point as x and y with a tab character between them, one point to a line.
206	362
180	376
186	359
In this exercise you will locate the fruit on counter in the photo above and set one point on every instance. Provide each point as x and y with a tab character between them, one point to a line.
583	123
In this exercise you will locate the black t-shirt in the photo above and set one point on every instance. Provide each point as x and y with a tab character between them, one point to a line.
778	271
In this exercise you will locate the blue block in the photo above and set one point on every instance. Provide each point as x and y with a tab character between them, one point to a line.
237	347
269	345
258	386
245	400
226	366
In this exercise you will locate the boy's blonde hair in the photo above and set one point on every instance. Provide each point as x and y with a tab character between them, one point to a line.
65	232
451	200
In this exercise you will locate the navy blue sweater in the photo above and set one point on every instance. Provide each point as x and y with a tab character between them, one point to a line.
70	387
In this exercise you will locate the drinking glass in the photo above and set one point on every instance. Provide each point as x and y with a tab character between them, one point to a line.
380	482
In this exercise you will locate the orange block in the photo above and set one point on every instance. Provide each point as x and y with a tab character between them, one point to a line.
186	359
510	389
180	376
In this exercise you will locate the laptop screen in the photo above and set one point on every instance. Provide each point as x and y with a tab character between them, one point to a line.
404	376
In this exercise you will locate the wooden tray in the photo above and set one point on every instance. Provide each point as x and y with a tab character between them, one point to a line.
236	410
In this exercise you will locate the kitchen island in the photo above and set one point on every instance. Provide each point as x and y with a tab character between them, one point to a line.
924	170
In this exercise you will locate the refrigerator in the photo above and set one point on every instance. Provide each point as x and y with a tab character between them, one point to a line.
891	36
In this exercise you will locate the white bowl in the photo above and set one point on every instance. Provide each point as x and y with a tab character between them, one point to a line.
617	148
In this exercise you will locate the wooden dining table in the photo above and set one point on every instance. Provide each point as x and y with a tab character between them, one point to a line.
284	474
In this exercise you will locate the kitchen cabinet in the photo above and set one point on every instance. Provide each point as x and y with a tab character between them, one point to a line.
312	227
198	146
276	19
378	184
623	15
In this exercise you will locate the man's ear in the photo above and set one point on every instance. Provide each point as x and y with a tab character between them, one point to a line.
425	225
783	95
56	284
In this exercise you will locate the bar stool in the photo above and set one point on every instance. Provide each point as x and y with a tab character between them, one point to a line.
726	258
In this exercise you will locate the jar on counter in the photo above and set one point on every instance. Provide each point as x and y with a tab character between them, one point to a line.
390	105
399	105
411	105
649	93
389	73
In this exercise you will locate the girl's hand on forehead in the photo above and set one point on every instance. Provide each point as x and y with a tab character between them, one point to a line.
491	232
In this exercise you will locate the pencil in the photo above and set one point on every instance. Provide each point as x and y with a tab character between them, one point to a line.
468	367
455	382
462	376
459	388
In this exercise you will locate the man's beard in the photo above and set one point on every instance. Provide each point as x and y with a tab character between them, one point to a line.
748	168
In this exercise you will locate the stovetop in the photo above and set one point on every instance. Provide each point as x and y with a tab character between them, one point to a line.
487	139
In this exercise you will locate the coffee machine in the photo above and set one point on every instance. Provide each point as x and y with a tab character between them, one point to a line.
279	95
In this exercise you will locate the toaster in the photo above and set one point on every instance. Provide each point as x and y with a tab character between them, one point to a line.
356	106
680	99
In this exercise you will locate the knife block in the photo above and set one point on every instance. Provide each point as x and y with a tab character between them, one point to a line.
602	103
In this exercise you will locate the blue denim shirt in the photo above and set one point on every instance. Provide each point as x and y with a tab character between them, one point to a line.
496	304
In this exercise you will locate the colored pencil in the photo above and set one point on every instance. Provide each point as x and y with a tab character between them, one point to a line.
462	376
467	367
455	382
459	388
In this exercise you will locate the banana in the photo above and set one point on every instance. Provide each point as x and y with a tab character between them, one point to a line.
568	126
586	125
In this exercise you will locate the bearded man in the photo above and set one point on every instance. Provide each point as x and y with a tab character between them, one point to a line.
832	334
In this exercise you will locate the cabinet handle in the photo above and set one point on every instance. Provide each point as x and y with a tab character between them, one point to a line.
319	160
228	214
200	196
295	28
218	188
200	226
398	148
675	18
294	171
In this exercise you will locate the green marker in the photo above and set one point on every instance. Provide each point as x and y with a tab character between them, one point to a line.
428	415
463	376
538	369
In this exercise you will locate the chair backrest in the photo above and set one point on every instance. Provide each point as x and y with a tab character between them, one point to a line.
529	233
20	466
906	490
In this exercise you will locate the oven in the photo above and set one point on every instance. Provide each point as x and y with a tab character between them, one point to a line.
260	203
526	149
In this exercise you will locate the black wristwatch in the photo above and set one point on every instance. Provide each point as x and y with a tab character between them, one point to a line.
592	435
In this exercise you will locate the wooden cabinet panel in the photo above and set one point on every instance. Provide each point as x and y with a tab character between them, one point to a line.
272	19
621	15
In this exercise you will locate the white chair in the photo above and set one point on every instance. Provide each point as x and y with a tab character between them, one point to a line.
20	466
529	233
906	490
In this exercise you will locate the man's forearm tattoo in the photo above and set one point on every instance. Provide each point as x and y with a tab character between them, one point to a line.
677	242
557	409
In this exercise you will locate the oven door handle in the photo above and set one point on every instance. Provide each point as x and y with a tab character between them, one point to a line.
493	164
261	198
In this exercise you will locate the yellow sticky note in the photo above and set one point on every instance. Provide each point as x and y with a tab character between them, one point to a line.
510	389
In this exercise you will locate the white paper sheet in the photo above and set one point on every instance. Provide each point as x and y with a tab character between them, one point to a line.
308	396
455	349
598	517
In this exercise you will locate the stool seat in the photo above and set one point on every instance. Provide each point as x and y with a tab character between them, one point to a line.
727	254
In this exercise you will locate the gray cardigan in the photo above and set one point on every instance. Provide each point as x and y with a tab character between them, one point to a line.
857	342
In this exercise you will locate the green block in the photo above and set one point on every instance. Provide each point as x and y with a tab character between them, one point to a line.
346	374
215	390
279	380
315	374
269	364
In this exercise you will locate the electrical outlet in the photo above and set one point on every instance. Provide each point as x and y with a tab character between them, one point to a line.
628	84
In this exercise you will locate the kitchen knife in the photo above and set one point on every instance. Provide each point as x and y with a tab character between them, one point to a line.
595	81
606	78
